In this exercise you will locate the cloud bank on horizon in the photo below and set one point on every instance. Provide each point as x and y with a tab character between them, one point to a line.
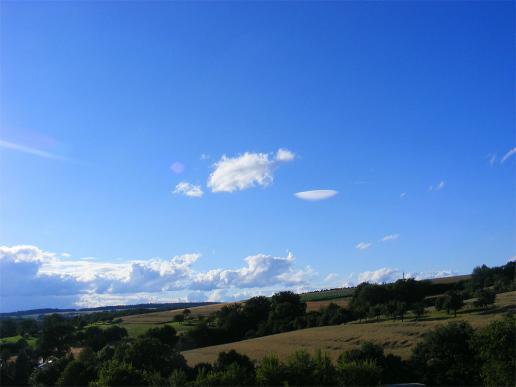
57	280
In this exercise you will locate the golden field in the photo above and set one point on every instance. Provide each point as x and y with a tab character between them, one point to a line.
395	337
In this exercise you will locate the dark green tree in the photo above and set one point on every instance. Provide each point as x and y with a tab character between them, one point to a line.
445	357
496	350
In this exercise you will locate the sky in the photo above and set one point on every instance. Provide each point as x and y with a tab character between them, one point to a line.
193	151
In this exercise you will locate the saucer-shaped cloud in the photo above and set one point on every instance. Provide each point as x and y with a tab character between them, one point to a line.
318	194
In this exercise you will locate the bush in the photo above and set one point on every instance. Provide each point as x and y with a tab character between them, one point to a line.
496	351
359	373
445	356
116	374
270	372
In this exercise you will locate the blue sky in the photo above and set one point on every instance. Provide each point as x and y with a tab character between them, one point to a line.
405	109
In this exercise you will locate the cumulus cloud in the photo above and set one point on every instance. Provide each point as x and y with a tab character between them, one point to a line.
390	237
386	275
510	153
284	155
363	245
260	271
34	278
188	189
245	171
439	186
320	194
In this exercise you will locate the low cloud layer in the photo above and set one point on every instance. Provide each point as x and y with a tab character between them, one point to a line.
386	275
33	278
247	170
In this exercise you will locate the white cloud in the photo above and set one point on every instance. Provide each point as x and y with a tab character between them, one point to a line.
363	245
390	237
188	189
205	156
508	154
260	271
245	171
386	275
437	187
492	158
330	277
320	194
33	278
284	155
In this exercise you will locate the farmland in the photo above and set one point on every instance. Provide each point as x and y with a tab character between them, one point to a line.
395	337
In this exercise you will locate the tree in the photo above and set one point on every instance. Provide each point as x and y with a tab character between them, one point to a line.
485	297
179	318
116	374
401	309
94	338
76	373
270	372
418	309
186	313
285	307
257	309
114	333
22	369
149	354
56	335
362	373
300	369
496	351
453	301
165	334
446	357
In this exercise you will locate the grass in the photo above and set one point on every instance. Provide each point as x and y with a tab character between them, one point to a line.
13	339
395	337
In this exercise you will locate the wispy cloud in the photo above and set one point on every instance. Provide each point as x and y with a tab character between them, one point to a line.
188	189
508	155
403	194
363	245
320	194
32	151
437	187
390	237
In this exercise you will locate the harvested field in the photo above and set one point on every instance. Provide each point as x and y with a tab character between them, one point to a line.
316	305
396	337
168	315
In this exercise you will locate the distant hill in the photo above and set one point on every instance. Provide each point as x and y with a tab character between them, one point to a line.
109	308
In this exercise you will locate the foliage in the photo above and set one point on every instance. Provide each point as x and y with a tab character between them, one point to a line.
361	373
445	356
496	352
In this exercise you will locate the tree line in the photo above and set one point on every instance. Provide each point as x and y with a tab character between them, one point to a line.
453	354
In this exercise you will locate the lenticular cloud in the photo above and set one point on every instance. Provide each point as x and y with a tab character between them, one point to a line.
319	194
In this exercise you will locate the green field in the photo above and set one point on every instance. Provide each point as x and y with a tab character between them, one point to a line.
135	329
13	339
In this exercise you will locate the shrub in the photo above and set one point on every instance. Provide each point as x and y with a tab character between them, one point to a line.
445	356
496	351
270	372
359	373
